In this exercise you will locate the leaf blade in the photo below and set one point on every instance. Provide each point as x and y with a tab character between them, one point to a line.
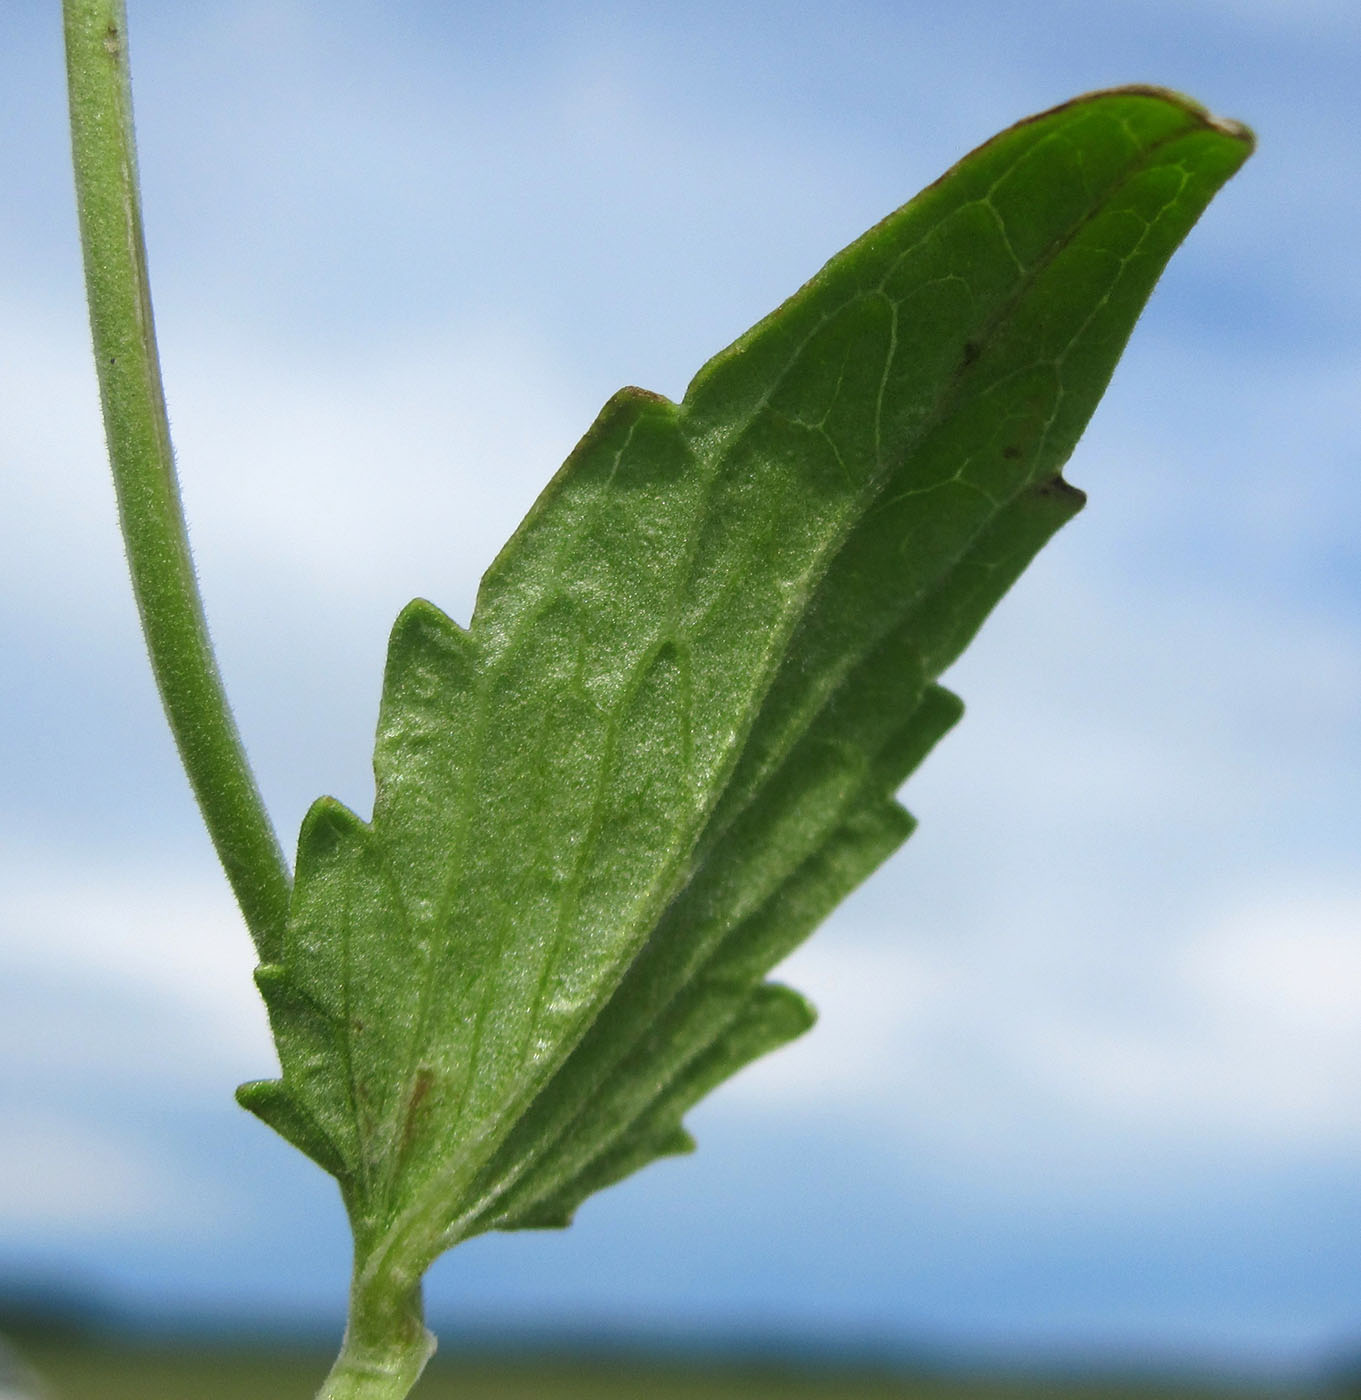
669	739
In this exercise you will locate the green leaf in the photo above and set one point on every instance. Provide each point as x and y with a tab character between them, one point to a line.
669	742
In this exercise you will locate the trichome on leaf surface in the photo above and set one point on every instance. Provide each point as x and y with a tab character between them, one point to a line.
670	738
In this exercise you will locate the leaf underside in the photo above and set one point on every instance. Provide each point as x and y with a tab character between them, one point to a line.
669	741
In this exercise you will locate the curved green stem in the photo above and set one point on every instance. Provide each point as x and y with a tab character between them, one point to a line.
144	470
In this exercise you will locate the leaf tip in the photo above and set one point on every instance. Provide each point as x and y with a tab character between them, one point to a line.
1225	126
1239	131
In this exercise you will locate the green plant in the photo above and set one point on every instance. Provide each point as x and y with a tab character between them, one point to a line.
669	740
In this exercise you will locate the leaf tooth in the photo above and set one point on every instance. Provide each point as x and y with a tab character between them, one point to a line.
557	1211
428	655
272	1101
738	1024
794	854
422	623
857	847
327	827
425	724
863	650
353	952
312	1052
566	510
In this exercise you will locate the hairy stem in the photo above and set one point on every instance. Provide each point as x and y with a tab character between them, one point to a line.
138	437
386	1344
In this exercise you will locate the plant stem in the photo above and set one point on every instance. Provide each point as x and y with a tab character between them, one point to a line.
386	1345
138	437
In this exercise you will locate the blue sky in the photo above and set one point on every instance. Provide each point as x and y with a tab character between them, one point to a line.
1088	1074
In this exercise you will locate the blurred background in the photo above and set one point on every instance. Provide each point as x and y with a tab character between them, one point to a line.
1086	1089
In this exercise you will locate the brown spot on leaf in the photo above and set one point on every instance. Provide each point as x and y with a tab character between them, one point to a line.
425	1077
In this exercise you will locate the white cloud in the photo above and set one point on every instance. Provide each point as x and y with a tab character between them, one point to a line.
57	522
321	484
128	975
1277	982
399	476
60	1176
1245	1040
